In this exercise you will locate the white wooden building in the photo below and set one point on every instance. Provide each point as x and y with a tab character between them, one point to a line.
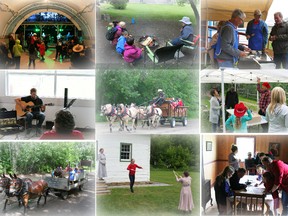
119	149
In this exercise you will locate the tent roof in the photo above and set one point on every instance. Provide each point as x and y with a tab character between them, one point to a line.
221	10
244	76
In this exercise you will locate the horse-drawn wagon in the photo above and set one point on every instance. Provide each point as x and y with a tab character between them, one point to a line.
61	186
173	112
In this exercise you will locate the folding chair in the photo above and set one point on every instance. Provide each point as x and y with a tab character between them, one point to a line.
163	54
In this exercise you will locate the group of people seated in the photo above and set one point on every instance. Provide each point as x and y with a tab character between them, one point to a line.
158	101
270	172
68	172
64	124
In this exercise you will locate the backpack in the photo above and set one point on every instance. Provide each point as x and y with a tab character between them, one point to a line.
110	33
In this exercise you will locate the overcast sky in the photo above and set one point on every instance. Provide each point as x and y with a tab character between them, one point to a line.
277	6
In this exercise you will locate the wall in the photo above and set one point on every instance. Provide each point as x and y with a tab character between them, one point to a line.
116	170
215	161
82	110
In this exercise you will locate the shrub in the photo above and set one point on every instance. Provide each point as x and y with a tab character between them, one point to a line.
119	4
181	2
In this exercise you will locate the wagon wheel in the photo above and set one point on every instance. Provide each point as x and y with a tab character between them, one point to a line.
172	122
81	187
162	121
64	195
184	121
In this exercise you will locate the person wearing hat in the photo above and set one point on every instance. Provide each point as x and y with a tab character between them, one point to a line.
238	122
279	38
264	101
160	99
228	50
257	32
277	112
186	32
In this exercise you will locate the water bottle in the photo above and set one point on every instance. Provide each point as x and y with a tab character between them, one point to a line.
133	20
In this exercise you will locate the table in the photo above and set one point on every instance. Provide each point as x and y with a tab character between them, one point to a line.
253	197
256	118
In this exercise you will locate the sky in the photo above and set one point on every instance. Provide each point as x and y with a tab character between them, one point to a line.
277	6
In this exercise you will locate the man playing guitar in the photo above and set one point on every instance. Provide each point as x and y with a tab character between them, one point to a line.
34	112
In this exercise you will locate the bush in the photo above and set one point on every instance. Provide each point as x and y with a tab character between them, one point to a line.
181	2
119	4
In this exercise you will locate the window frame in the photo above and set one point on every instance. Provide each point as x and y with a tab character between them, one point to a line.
130	152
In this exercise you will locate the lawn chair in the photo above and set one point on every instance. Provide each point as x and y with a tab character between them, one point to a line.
163	54
192	45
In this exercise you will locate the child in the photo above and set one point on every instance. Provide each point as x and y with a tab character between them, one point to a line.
260	171
121	42
131	52
17	50
223	191
132	170
268	180
237	122
32	55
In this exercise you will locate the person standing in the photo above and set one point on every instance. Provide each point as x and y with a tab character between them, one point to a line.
11	45
32	56
238	121
214	114
257	32
132	170
17	50
186	32
102	165
264	101
227	49
277	112
36	112
233	160
280	172
279	38
186	200
231	100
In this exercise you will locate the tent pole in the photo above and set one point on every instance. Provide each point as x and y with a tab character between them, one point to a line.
223	102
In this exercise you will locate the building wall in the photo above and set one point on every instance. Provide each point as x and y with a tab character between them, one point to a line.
117	170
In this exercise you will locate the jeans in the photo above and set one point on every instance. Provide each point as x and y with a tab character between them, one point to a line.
40	116
228	63
17	61
285	202
176	41
132	180
281	59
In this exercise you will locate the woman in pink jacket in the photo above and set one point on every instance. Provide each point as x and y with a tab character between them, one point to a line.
131	52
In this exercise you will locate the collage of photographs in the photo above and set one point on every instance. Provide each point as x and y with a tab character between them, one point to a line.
137	107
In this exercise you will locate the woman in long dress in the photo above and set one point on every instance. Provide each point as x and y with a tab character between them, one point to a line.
102	165
186	200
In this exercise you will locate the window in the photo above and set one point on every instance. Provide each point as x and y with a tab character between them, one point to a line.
125	152
51	84
245	145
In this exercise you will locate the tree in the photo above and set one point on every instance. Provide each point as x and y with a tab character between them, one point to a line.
194	4
119	4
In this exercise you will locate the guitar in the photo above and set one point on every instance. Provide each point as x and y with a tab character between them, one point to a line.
29	106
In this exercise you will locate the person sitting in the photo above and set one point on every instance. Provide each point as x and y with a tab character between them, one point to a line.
63	128
121	26
121	42
250	164
186	32
235	179
131	52
158	101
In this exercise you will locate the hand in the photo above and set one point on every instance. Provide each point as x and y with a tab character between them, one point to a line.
243	54
248	37
272	38
247	49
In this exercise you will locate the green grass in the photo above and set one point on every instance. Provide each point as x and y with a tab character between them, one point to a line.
149	200
148	12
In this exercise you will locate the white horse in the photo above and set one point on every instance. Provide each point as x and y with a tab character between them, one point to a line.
111	114
153	115
127	113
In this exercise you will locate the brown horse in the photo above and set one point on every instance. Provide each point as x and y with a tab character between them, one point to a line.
110	112
5	186
29	190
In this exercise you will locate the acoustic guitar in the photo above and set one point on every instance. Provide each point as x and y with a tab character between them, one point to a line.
29	106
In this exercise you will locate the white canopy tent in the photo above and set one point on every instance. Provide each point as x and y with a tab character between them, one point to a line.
234	76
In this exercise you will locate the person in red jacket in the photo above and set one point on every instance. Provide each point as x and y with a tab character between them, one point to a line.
132	170
280	172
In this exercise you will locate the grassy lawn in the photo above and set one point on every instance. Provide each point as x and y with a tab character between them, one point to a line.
149	200
149	12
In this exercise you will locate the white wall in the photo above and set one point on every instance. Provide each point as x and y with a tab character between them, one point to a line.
116	170
82	110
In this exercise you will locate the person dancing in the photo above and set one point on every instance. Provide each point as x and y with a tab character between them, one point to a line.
132	170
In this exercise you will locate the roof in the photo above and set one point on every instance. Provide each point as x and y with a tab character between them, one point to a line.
244	76
215	11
